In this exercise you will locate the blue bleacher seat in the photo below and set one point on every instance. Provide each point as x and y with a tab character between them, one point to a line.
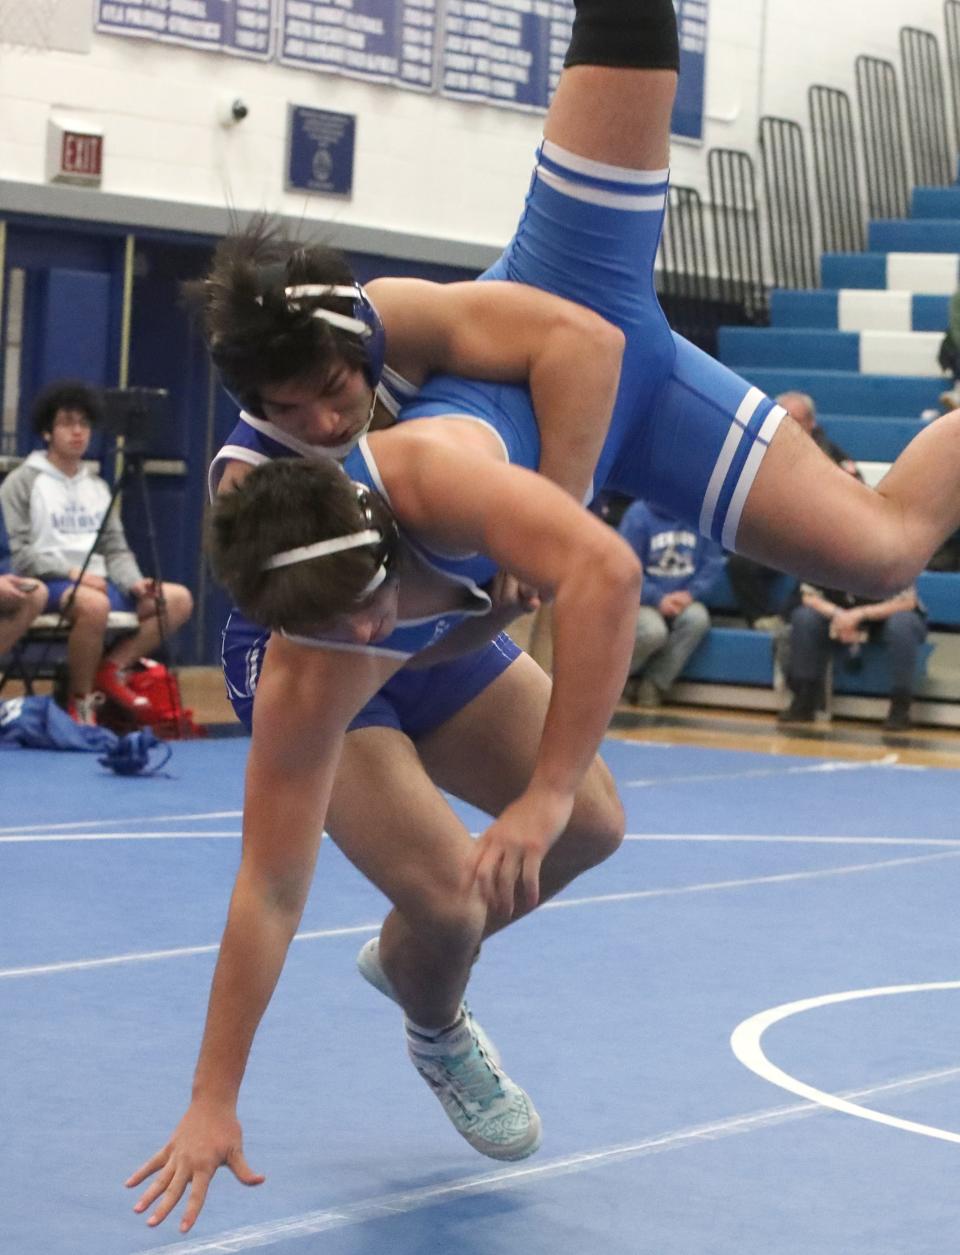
853	270
935	202
732	656
904	235
843	392
870	439
930	313
744	348
803	308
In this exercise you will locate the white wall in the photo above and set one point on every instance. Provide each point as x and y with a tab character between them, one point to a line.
424	165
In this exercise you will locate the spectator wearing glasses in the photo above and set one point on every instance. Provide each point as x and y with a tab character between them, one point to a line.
54	505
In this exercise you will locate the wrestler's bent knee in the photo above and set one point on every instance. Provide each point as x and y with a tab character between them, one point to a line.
598	824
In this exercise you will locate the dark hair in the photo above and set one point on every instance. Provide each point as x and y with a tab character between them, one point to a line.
282	505
253	335
65	394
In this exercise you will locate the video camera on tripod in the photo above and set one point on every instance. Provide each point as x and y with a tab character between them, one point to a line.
139	416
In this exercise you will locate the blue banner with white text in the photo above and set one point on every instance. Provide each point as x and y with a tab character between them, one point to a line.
387	41
687	121
503	52
506	53
242	27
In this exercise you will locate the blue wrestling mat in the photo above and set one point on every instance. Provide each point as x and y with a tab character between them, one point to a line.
805	907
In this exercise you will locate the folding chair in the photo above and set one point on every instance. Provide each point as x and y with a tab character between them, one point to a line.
39	654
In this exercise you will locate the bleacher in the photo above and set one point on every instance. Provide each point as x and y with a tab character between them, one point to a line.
865	348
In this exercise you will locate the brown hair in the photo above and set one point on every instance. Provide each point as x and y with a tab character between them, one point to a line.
282	505
253	335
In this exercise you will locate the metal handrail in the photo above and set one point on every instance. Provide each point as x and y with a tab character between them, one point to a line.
881	125
790	223
836	166
736	229
934	163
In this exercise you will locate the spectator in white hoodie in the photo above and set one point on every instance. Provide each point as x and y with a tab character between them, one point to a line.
54	506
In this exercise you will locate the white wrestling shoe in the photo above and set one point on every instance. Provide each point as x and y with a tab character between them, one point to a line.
369	967
494	1114
462	1067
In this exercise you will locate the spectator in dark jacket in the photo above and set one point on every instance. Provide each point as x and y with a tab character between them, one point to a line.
825	616
679	567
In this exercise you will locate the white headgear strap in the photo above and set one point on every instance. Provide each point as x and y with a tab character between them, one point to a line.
355	326
337	544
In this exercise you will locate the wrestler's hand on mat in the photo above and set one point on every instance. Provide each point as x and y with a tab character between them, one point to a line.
205	1138
506	867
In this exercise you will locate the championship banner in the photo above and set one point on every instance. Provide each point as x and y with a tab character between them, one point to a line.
506	53
386	41
510	52
687	122
242	27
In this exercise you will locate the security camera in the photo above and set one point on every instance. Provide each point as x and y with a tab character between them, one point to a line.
233	110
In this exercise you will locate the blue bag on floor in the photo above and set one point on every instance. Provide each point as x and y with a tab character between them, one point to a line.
39	723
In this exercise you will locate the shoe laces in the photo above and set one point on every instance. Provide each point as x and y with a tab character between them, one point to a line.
472	1076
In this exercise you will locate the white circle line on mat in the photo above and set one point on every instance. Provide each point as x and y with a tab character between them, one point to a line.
745	1042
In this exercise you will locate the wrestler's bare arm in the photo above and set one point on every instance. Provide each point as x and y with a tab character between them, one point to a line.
443	490
305	700
568	356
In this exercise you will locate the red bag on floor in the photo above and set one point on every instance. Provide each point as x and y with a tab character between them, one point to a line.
168	718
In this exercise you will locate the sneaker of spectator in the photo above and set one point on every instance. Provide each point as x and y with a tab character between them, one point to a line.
647	693
83	709
803	704
898	716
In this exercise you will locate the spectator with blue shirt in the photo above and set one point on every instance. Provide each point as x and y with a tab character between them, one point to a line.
679	568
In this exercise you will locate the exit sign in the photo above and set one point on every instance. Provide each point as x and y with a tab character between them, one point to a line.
74	153
82	155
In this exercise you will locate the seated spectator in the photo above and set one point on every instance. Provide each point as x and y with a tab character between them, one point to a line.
21	600
848	622
679	567
54	506
754	585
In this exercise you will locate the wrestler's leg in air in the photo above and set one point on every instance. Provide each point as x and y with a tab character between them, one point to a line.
807	516
612	115
796	510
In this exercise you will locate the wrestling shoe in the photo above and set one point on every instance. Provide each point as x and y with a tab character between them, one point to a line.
462	1067
494	1114
369	967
